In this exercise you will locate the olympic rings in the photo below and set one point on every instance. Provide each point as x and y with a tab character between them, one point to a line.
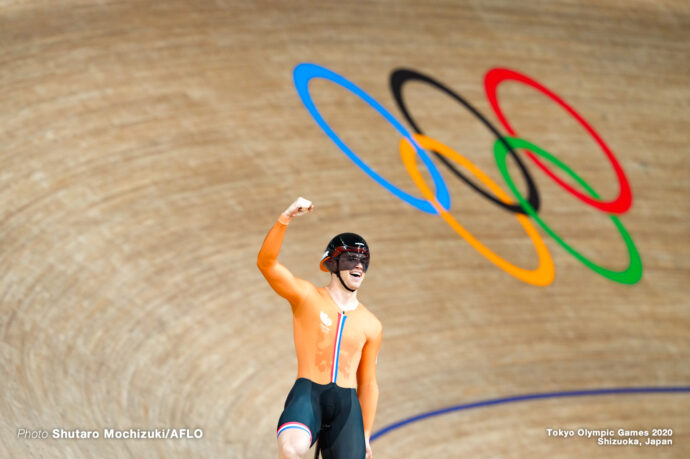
305	72
401	76
438	202
545	272
624	200
631	274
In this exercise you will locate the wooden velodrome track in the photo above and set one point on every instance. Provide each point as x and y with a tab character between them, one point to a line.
147	148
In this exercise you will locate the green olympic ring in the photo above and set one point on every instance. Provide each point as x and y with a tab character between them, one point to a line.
631	274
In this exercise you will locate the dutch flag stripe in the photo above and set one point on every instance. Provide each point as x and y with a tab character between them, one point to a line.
293	425
336	347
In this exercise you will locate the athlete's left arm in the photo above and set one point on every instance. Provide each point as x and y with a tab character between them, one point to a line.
367	386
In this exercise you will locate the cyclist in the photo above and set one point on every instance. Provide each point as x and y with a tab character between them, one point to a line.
337	340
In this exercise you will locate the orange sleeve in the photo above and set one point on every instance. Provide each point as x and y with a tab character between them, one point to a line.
278	276
367	386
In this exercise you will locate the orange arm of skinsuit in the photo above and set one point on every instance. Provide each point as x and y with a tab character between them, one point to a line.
278	276
367	387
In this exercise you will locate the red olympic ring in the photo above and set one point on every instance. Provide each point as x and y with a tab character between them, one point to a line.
624	200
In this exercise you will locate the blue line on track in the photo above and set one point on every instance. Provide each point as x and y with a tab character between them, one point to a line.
523	398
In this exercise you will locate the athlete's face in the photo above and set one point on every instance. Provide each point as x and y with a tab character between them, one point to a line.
353	269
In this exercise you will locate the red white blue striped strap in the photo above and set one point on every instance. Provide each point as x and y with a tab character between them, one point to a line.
294	425
336	347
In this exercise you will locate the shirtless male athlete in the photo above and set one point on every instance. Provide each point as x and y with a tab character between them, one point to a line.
336	339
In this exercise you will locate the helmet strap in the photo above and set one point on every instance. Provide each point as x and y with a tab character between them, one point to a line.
337	273
343	282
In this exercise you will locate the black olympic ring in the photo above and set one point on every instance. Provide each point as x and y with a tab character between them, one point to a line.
400	76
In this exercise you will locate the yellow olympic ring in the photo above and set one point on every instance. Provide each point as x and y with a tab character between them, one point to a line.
545	272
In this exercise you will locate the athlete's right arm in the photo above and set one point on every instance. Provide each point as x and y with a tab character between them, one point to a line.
278	276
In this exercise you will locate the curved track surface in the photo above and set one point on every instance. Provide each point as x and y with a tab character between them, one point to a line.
147	147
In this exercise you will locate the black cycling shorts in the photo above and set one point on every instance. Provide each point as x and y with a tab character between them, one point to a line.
329	413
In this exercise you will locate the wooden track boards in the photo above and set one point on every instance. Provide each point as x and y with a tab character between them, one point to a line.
147	147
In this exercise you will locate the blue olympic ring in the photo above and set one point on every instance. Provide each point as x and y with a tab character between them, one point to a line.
305	72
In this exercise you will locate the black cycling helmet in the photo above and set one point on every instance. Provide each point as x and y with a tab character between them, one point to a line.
351	244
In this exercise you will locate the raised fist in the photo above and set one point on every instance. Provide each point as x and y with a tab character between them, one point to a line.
301	206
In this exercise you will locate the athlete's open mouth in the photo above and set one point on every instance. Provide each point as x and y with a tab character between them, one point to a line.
356	274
